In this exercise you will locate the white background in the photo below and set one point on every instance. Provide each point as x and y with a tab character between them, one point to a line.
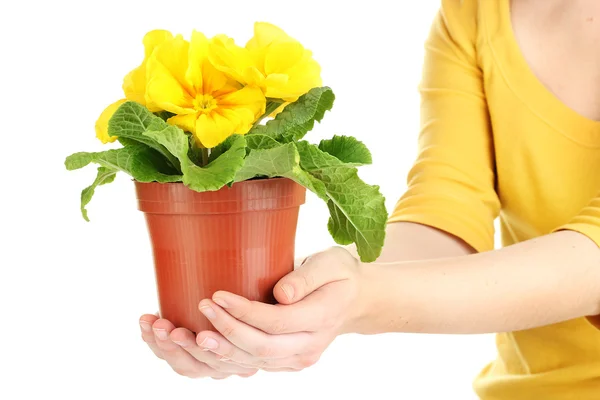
71	292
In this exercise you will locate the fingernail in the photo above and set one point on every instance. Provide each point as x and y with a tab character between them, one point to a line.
208	312
182	344
220	302
209	343
224	359
161	334
145	326
288	290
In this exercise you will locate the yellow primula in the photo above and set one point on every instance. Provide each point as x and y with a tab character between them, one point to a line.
206	101
273	61
134	85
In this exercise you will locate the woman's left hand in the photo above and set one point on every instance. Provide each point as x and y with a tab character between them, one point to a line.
318	301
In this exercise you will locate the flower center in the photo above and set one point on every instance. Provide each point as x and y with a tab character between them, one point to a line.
205	103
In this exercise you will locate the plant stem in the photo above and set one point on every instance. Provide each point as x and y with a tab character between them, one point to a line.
204	153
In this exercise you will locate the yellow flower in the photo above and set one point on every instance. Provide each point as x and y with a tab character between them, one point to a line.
134	85
271	60
208	104
102	122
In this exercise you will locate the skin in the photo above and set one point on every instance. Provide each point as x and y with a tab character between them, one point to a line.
509	289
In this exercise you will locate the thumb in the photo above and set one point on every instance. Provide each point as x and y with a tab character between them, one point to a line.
315	271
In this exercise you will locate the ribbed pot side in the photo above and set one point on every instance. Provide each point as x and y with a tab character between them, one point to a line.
239	239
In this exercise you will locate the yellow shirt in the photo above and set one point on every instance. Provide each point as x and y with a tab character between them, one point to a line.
495	141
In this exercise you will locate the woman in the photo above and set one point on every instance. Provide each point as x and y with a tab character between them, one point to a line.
510	128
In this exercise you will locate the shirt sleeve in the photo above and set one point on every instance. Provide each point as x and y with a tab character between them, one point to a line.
587	222
451	185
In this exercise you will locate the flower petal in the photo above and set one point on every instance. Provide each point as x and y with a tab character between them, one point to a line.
166	92
249	97
296	81
155	38
212	129
265	34
229	58
167	87
213	79
186	122
173	55
253	77
198	53
280	57
275	86
241	118
102	122
134	83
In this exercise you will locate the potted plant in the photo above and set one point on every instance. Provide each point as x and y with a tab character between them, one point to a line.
212	135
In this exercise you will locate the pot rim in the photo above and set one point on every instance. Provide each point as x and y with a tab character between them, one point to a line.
250	195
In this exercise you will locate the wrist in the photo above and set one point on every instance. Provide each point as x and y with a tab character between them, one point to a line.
360	316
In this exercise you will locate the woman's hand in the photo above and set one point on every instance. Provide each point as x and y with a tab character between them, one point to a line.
178	347
318	301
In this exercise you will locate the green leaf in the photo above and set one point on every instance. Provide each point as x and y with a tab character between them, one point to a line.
131	120
128	142
222	147
78	160
347	149
104	176
218	173
358	213
282	161
299	117
141	162
261	142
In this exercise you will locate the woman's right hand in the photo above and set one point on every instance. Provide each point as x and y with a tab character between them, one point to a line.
178	347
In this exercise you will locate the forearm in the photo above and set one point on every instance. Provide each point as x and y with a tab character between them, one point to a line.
535	283
407	241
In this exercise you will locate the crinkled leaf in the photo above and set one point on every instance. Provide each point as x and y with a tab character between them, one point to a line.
358	213
347	149
222	147
141	162
299	117
282	161
218	173
104	176
128	142
131	120
78	160
261	142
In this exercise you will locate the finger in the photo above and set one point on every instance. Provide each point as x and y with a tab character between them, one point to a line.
319	269
186	339
146	322
229	353
216	344
300	261
180	360
310	315
255	341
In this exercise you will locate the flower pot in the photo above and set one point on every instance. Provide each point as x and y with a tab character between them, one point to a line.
239	239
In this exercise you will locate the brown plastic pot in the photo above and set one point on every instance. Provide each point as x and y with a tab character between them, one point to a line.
239	239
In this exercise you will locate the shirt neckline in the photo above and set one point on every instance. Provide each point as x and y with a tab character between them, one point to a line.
519	76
